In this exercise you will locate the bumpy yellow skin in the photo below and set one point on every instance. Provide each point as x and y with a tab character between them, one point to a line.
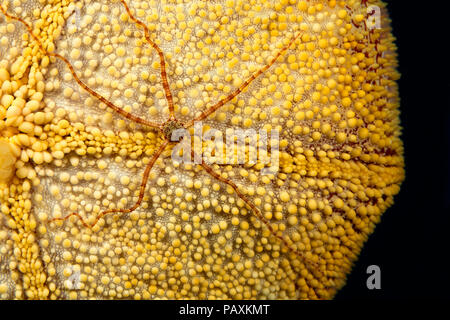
333	97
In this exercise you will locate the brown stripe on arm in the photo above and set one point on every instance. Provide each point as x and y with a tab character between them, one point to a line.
103	99
145	177
236	92
255	211
165	81
77	79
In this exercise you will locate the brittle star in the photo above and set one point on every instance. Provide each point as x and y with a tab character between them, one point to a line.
169	126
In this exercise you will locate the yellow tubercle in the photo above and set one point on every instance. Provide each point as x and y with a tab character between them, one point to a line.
7	162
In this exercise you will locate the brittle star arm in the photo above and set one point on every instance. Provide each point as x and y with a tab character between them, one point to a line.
212	109
312	266
78	80
255	210
145	177
165	82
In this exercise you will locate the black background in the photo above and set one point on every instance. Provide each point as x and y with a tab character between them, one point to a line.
411	243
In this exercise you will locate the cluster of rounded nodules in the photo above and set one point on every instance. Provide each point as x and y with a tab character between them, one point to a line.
194	235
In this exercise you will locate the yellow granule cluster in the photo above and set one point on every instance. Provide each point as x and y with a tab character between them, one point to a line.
332	97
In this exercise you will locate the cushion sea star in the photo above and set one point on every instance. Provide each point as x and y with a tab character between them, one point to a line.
93	204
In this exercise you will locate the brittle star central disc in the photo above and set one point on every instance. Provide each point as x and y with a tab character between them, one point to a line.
169	128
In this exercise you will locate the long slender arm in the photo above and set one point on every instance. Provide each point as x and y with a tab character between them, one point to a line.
78	80
103	99
231	96
145	177
311	265
254	209
165	82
